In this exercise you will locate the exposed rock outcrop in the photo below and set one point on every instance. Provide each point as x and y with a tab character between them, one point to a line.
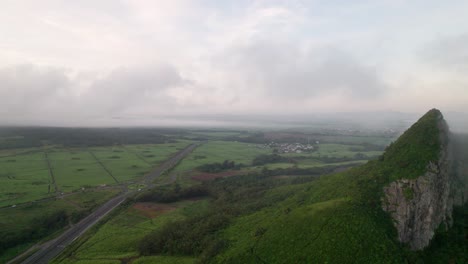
420	205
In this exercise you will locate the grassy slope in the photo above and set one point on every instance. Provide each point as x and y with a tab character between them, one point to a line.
336	219
327	221
419	145
118	238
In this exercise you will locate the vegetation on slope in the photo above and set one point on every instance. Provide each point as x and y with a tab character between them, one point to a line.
409	156
26	224
447	246
335	219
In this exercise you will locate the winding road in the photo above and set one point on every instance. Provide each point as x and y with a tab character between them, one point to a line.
53	248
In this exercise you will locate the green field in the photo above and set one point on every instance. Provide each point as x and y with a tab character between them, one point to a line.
154	154
244	153
25	176
74	169
219	151
121	164
85	177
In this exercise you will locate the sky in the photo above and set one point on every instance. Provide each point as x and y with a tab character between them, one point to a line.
98	62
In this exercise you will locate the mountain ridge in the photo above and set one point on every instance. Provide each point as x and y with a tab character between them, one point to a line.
420	201
341	218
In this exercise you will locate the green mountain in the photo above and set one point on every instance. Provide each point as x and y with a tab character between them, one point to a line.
396	209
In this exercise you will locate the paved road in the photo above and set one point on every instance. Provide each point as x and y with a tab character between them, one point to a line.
53	248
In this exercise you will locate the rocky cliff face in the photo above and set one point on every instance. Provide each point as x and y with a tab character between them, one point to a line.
420	205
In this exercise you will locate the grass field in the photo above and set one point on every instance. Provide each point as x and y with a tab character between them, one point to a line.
85	176
219	151
25	176
154	154
118	238
74	169
121	164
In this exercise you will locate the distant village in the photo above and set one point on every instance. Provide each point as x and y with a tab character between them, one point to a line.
288	147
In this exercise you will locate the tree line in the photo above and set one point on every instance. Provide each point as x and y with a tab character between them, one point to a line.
27	137
229	198
38	228
218	166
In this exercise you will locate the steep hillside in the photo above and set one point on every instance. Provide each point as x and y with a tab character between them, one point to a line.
357	216
339	218
419	200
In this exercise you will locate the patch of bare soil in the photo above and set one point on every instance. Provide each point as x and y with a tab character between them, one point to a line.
153	210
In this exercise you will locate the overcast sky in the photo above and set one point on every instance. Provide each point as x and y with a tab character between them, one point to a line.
93	62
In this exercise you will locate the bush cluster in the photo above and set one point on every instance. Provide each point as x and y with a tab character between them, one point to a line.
38	228
218	167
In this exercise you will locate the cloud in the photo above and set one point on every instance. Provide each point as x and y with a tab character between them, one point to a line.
130	88
28	89
217	57
31	93
448	52
279	70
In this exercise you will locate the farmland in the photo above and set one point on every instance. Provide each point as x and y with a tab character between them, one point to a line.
73	179
244	153
27	177
117	239
22	178
218	151
295	207
60	185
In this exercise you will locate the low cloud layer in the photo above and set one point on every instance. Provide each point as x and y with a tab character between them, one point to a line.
140	60
37	94
286	72
450	52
